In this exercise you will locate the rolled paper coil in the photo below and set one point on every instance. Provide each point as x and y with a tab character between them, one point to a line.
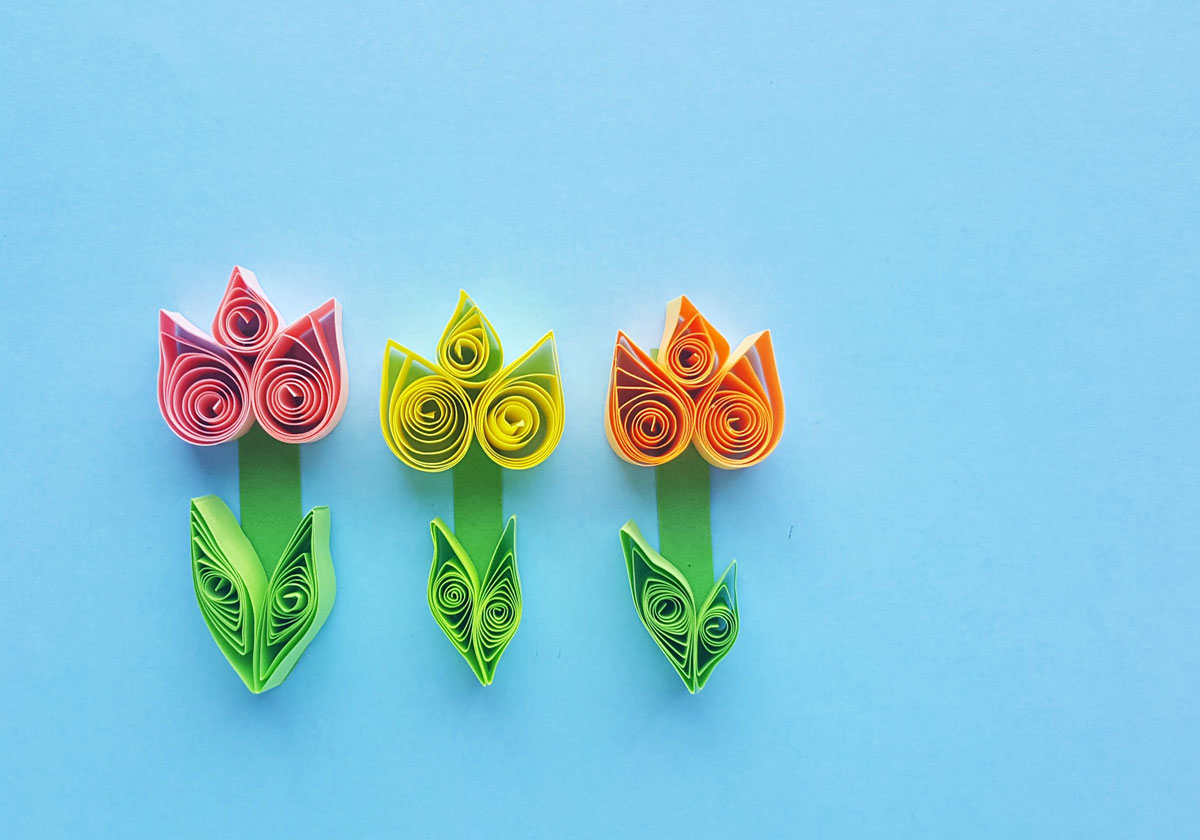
425	415
299	384
519	414
648	417
469	350
246	323
739	417
203	389
691	350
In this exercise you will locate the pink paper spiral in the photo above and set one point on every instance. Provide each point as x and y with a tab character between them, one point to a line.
299	385
246	322
202	387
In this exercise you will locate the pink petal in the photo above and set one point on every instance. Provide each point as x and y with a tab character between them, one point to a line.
246	322
203	389
299	385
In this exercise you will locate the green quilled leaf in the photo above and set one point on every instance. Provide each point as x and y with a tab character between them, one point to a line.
479	613
262	624
693	638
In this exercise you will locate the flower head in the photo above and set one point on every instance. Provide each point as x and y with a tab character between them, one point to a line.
729	404
430	411
292	379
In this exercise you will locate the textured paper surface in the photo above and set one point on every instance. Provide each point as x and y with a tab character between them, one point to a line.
684	519
268	492
478	502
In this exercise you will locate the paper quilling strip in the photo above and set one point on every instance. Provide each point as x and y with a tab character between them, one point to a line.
265	586
431	413
682	409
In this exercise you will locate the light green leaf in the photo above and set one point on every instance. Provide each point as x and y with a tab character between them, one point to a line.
230	583
693	640
261	626
478	619
298	599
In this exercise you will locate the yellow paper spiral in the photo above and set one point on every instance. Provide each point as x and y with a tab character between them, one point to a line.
426	416
430	412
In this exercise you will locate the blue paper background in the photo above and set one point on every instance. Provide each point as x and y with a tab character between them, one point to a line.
969	574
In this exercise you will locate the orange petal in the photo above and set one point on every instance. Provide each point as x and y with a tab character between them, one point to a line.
691	348
739	417
647	416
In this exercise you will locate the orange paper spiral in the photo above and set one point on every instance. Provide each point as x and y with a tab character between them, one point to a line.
648	417
739	418
729	404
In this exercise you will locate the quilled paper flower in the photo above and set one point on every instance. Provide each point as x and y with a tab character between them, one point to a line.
471	412
264	586
687	406
730	405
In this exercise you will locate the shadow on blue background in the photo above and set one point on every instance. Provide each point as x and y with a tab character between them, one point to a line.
968	576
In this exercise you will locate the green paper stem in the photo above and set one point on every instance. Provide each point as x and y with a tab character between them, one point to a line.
690	613
474	588
478	504
684	519
269	487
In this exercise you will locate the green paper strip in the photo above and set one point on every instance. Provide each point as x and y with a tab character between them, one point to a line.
479	611
262	621
695	636
477	607
478	502
684	520
269	489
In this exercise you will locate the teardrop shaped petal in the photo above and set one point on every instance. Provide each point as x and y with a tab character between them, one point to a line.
691	350
469	350
647	416
425	416
246	323
203	389
519	415
739	417
300	384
